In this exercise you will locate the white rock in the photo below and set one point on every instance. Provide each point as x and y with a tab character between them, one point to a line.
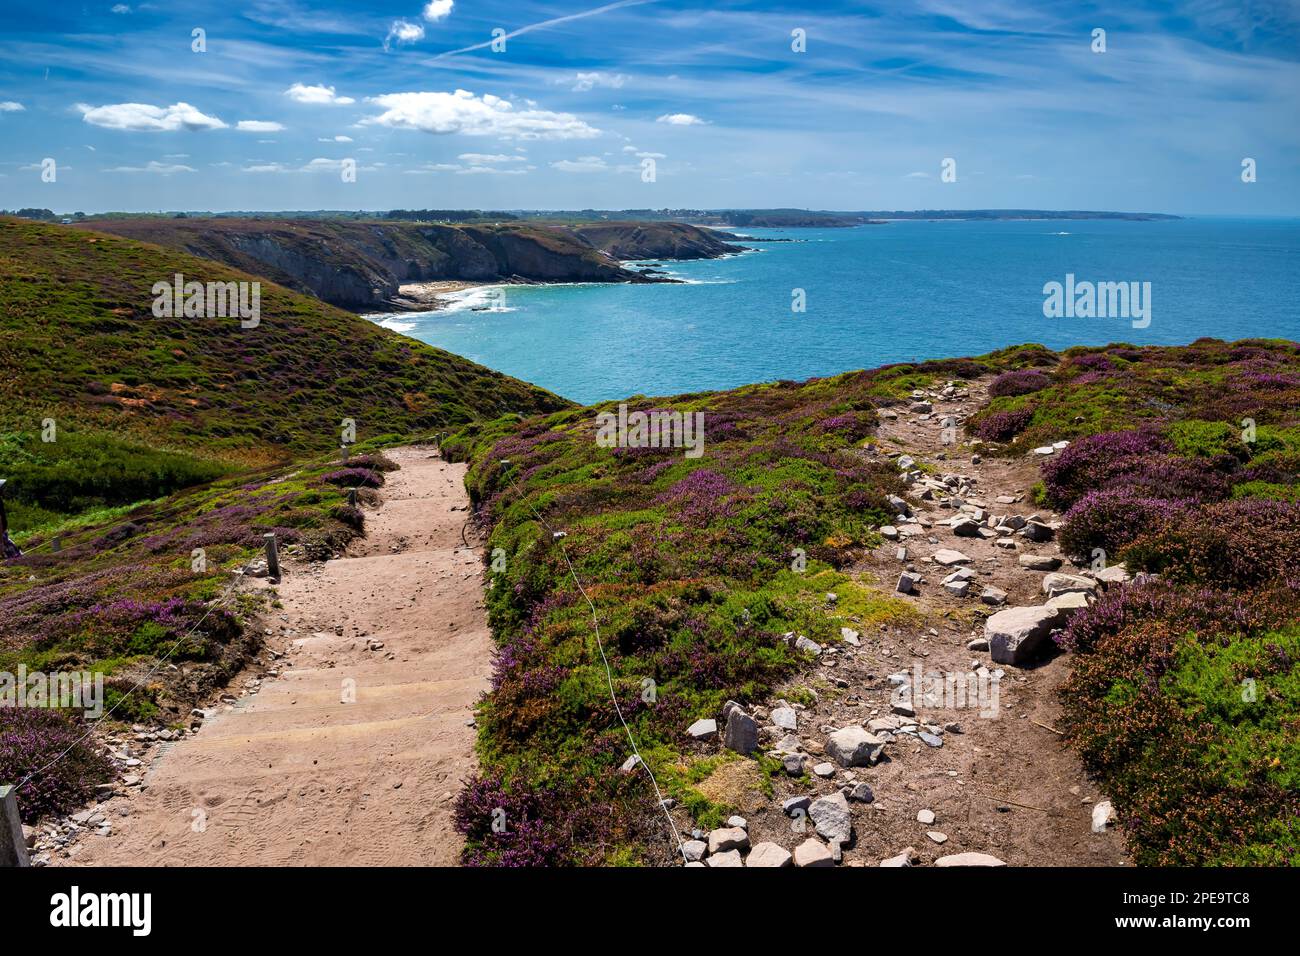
925	817
726	858
852	746
968	859
813	853
1018	633
769	854
703	729
1103	814
727	838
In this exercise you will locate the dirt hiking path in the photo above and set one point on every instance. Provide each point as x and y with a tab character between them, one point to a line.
292	774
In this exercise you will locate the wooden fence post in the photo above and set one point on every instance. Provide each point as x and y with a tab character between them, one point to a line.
272	557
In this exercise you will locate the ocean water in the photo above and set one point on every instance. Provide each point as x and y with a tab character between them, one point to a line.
874	294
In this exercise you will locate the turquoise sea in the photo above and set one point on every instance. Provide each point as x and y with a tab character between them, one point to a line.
874	294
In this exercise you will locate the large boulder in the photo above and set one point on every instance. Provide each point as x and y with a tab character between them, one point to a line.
1017	634
854	747
1054	584
831	818
741	733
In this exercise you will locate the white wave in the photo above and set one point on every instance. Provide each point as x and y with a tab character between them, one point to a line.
484	298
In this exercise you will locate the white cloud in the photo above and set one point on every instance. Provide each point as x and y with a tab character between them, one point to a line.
316	95
403	32
266	168
10	106
259	126
463	112
434	168
582	82
917	175
482	159
681	119
334	139
436	10
583	164
161	169
119	8
490	170
146	118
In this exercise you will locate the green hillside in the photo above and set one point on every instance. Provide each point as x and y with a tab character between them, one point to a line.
143	405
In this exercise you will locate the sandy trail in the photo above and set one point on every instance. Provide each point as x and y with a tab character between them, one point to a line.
293	774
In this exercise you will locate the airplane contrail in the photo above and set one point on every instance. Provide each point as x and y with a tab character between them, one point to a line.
546	23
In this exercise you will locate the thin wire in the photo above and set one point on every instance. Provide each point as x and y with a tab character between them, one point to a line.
609	676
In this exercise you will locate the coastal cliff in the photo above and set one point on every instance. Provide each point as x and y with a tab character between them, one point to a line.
363	265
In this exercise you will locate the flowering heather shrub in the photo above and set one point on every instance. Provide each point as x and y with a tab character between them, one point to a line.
1183	703
1240	543
1111	519
30	739
1019	382
1090	463
354	478
1001	426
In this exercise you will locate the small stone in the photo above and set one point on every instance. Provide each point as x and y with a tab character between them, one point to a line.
769	855
830	815
906	584
936	836
978	644
992	596
824	770
849	636
725	858
1039	562
861	793
1103	814
812	853
807	646
738	821
728	838
968	859
853	747
905	858
947	557
925	816
785	718
792	804
694	850
703	729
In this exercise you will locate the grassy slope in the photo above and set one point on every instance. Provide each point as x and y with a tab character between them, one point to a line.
688	564
152	404
202	417
1185	697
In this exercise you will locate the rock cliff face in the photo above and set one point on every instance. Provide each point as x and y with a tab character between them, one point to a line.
656	240
362	265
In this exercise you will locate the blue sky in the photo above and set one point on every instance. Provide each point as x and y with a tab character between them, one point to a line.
584	92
